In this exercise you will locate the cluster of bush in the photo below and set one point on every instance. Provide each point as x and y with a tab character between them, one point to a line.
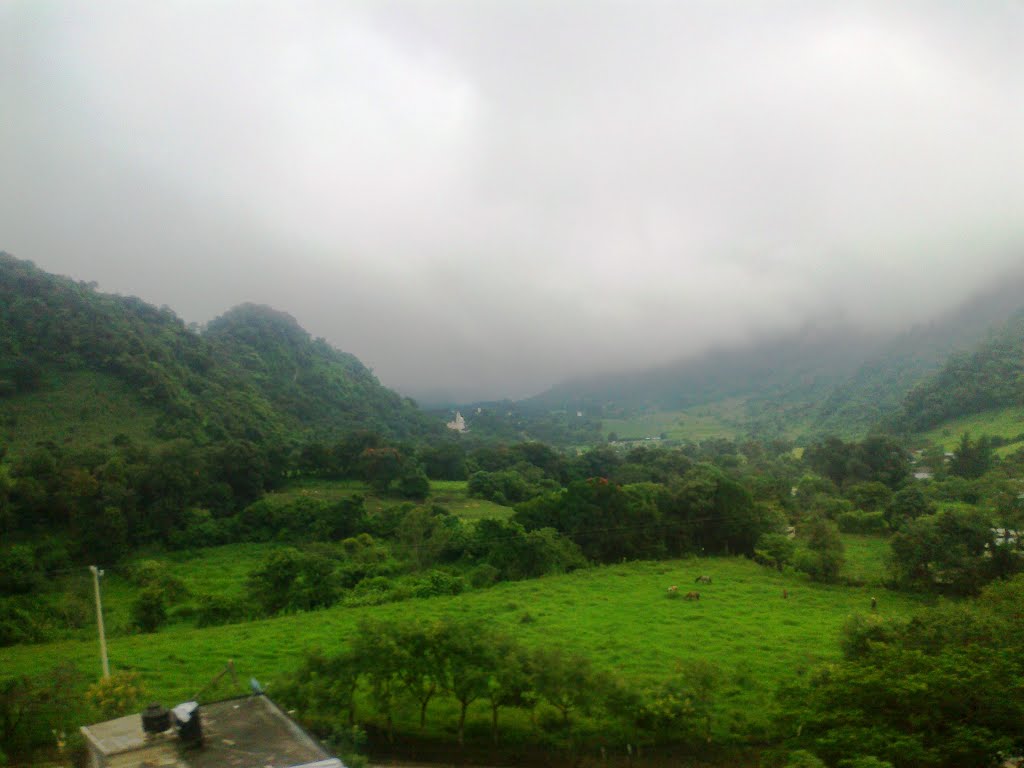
391	666
934	692
433	553
888	702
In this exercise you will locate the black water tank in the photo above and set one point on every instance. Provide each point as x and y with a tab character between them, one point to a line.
155	719
190	729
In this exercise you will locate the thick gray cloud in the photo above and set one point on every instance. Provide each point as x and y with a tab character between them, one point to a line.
480	198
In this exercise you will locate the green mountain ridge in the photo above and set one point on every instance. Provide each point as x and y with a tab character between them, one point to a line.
837	380
989	376
78	365
253	374
876	392
319	388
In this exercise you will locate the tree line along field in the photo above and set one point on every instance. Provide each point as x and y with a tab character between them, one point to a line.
618	616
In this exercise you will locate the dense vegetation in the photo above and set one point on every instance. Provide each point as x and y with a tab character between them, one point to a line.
253	375
593	597
809	384
991	376
325	392
601	506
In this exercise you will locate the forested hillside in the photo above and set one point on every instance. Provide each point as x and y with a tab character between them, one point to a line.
810	383
307	381
254	375
990	376
789	368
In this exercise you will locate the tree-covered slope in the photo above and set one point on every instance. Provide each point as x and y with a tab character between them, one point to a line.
306	380
813	382
52	325
794	367
990	376
876	391
255	375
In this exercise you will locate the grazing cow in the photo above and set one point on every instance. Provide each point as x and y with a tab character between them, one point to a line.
693	595
874	604
702	580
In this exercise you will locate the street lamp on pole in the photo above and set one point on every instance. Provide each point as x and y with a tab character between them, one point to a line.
96	573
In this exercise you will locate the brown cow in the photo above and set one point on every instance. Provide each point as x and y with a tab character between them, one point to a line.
693	595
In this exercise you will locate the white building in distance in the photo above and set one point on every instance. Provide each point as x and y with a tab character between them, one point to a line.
458	423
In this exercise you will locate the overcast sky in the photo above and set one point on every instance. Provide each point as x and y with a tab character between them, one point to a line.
481	198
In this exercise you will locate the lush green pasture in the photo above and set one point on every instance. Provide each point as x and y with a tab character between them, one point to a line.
222	571
620	616
82	408
454	496
865	558
697	423
1004	422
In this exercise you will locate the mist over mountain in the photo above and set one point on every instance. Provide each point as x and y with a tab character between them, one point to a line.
838	379
480	200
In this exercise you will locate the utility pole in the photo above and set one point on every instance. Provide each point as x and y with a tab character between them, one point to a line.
96	573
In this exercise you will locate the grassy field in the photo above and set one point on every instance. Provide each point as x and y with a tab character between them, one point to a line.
697	423
865	558
454	496
84	408
222	571
619	616
1004	422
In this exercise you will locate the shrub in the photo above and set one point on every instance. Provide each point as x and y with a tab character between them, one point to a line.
156	576
507	487
374	584
774	550
18	574
214	610
823	558
73	611
438	583
149	611
860	632
414	484
293	580
117	695
484	575
19	623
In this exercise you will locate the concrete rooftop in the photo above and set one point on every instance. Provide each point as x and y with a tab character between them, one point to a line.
250	732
